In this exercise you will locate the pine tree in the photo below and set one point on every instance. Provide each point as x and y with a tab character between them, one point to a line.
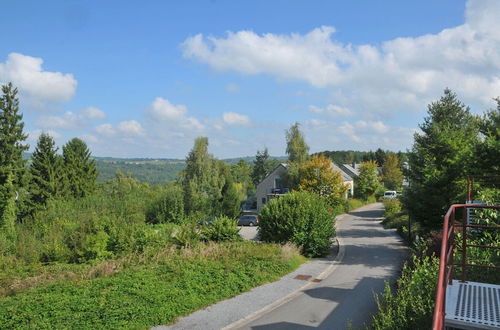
296	147
440	160
47	172
12	164
260	167
80	169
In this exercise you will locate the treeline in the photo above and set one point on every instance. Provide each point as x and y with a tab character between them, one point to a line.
350	156
146	171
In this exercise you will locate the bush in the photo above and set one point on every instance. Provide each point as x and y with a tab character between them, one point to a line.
167	208
221	229
392	207
411	307
301	218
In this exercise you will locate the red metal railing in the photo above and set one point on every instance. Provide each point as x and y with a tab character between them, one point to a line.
446	262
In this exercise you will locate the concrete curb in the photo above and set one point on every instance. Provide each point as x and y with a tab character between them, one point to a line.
338	259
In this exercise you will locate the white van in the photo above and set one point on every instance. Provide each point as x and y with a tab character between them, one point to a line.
390	194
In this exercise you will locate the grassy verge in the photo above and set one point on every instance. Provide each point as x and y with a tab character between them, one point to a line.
354	203
148	289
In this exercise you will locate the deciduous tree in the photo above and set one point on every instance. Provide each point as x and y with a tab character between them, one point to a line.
296	147
317	176
392	176
368	181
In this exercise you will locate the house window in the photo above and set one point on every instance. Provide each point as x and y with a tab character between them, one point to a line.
277	183
263	200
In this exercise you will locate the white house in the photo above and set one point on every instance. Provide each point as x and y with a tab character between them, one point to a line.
273	184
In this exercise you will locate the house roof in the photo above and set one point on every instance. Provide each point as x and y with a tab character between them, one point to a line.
274	170
345	176
349	168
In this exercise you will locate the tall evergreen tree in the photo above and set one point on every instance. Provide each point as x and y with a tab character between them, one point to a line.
440	160
12	164
487	153
296	147
80	169
380	157
47	173
260	166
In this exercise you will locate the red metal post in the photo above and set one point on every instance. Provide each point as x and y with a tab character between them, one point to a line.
464	244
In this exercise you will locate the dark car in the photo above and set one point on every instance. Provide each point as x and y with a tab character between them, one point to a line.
248	220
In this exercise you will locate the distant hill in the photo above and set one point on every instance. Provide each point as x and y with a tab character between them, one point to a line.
151	170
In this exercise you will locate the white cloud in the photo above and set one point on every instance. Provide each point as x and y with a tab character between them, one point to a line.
162	109
35	134
332	110
26	73
237	119
106	130
130	127
92	113
71	120
399	74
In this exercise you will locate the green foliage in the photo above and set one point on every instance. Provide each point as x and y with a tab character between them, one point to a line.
150	171
440	160
47	178
317	176
12	164
392	176
167	208
368	182
221	229
487	151
81	172
412	305
392	207
296	147
148	291
187	235
302	218
261	167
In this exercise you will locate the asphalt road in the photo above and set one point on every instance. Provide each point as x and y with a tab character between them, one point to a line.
345	298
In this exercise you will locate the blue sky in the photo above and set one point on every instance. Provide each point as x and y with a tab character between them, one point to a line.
143	79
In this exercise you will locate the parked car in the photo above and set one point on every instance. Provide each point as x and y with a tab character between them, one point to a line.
248	220
390	194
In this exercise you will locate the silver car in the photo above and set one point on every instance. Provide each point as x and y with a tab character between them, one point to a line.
248	220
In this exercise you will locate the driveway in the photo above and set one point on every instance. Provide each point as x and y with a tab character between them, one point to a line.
371	256
249	233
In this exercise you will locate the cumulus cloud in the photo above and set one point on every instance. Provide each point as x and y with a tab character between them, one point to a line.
130	127
35	134
399	74
163	109
71	120
236	119
27	74
122	129
332	110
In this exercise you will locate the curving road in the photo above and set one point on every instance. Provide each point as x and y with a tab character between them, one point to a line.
371	255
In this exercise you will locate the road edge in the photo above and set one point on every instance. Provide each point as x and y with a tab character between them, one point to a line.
338	259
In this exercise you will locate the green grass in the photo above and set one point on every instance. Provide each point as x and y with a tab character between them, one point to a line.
150	289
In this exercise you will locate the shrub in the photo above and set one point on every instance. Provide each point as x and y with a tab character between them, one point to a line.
221	229
411	307
186	235
392	207
167	208
301	218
